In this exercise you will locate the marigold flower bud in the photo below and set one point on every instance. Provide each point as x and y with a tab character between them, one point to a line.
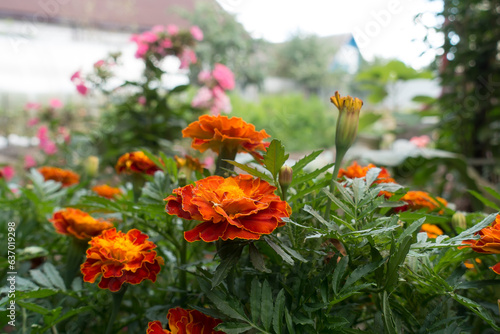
285	176
91	165
347	123
459	220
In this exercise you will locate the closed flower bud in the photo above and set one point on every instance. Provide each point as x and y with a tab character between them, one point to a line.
347	123
285	176
91	165
459	220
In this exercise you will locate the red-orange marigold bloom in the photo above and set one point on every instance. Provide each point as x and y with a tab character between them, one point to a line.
119	258
417	200
235	207
79	224
136	162
216	132
188	163
432	230
106	191
181	321
357	171
66	177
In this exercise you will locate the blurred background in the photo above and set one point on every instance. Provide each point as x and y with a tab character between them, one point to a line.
427	71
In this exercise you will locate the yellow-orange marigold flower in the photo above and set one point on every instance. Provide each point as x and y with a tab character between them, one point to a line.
235	207
182	321
120	258
357	171
432	230
417	200
188	163
79	224
233	134
66	177
106	191
469	265
136	162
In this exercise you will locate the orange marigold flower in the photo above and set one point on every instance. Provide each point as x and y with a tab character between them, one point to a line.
106	191
66	177
234	207
79	224
186	321
119	258
489	239
417	200
234	134
136	162
357	171
432	230
469	265
188	163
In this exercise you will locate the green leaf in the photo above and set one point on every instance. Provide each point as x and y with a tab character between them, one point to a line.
310	175
484	200
299	165
255	299
477	309
361	272
41	278
339	203
257	259
228	262
339	273
469	233
492	192
67	315
289	322
233	327
398	255
179	89
389	324
275	157
225	307
34	307
287	258
320	218
279	308
410	230
54	276
41	293
252	171
266	310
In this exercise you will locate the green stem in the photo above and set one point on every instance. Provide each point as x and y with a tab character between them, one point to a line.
76	251
226	153
182	271
117	301
137	184
339	155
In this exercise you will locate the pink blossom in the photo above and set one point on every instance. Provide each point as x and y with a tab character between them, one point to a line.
149	37
99	63
166	43
135	38
158	29
208	162
221	102
142	49
196	33
43	133
7	172
187	57
421	141
48	147
223	76
29	162
64	132
204	77
33	121
55	103
82	89
32	106
141	100
203	99
76	76
172	29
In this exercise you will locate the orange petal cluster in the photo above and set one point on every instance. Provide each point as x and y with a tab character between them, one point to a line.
104	190
181	321
136	162
235	207
188	163
417	200
357	171
432	230
66	177
79	224
119	258
216	132
488	242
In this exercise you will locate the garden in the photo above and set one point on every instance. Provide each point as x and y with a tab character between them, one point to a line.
188	209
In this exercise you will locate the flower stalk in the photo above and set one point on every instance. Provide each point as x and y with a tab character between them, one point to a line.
117	301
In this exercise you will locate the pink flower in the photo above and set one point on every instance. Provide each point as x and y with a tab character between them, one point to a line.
141	100
421	141
42	133
142	49
64	132
166	43
99	63
55	103
203	99
29	162
196	33
172	29
82	89
208	162
149	37
32	106
223	76
187	57
221	102
204	77
158	29
76	76
7	172
33	121
48	147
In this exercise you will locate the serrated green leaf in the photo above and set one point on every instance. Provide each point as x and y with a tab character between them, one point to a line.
361	272
299	165
34	307
338	273
233	327
255	299
225	307
67	315
492	192
41	278
275	157
317	215
287	258
389	324
410	230
289	322
279	308
484	200
227	263
309	176
266	309
371	175
469	233
54	276
397	258
257	259
40	293
477	309
339	203
251	171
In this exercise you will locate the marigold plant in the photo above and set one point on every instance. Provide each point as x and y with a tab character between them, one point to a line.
236	207
78	224
136	162
186	321
357	171
417	200
107	191
66	177
432	230
119	258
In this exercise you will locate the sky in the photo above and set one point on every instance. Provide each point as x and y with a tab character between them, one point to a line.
382	28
